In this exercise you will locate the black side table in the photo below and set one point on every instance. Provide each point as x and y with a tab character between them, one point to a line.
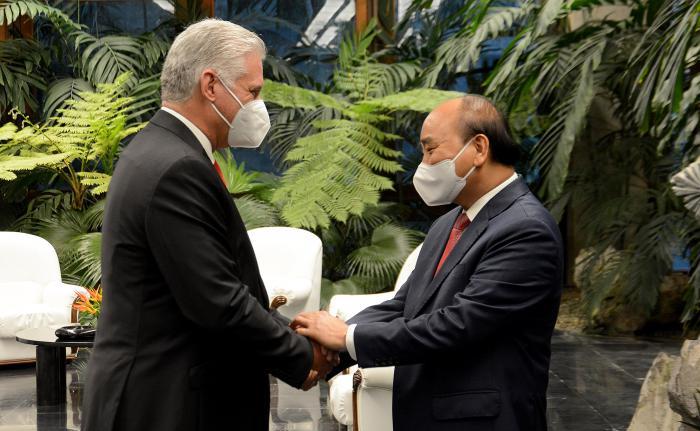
50	363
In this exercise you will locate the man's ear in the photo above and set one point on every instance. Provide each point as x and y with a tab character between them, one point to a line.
206	84
482	147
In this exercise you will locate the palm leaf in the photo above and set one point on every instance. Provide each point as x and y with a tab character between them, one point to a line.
61	90
686	184
12	10
663	54
23	65
103	59
382	259
256	213
461	51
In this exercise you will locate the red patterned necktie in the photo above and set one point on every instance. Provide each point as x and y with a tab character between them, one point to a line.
460	224
221	174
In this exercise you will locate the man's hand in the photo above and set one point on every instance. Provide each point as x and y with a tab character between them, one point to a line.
324	361
320	326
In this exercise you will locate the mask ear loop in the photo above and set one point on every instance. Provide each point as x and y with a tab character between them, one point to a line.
229	124
229	91
471	171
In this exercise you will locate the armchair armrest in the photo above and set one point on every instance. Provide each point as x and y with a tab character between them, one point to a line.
346	306
61	294
374	378
372	399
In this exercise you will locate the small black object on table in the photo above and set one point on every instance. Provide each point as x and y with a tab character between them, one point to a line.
50	363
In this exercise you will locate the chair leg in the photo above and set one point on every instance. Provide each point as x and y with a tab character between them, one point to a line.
356	381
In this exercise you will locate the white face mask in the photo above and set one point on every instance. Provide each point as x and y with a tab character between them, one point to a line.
439	184
251	123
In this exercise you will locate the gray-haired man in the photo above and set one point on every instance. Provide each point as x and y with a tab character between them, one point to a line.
186	339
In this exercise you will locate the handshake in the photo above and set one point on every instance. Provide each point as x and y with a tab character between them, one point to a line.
327	335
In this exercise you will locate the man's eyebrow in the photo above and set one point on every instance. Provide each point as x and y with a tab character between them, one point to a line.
255	88
426	141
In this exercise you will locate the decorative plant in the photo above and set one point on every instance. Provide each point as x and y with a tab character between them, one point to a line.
612	105
79	146
94	60
89	306
335	146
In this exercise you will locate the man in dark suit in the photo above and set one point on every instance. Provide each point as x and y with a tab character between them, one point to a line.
186	338
470	331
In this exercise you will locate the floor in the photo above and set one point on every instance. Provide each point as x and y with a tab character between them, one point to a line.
594	385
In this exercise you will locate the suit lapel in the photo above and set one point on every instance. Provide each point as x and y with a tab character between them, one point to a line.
495	206
433	249
169	122
172	124
470	235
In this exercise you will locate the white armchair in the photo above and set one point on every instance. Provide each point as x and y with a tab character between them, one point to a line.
290	265
31	292
361	398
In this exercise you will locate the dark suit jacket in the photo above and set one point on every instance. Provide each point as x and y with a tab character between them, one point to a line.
472	344
185	339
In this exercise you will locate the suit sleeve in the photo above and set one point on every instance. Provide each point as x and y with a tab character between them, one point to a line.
186	230
517	276
384	312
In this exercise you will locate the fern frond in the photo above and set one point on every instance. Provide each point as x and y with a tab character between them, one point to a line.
418	100
97	182
9	166
288	96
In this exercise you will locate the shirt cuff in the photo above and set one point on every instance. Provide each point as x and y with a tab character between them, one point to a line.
350	341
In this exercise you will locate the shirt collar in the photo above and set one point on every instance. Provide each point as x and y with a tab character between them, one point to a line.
480	203
201	137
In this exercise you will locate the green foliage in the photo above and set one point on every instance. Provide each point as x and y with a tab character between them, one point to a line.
77	239
460	52
384	256
668	49
82	140
613	106
25	72
257	213
365	254
61	90
12	10
335	173
338	153
22	66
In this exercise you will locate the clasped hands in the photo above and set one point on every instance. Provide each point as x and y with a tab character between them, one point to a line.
327	334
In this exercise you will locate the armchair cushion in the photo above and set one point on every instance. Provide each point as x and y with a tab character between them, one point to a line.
340	398
62	294
15	319
17	293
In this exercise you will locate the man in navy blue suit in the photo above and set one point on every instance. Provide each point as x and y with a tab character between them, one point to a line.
470	331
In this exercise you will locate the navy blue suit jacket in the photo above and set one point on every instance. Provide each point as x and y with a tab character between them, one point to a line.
471	344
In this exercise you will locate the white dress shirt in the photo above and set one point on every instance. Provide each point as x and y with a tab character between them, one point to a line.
472	211
201	137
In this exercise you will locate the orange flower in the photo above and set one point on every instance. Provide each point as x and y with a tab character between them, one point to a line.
90	303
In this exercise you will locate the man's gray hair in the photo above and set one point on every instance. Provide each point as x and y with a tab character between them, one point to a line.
210	43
